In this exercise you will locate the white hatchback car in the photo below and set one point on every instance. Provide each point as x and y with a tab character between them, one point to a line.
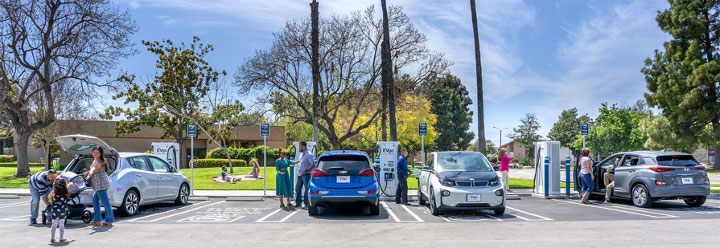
135	178
460	181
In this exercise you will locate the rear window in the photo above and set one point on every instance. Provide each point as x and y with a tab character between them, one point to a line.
343	162
677	160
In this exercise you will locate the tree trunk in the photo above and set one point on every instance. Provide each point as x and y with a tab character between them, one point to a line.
181	146
21	148
314	16
383	114
227	154
387	74
478	72
46	154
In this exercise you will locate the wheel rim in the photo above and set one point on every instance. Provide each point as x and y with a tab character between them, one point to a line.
691	200
131	203
432	201
639	196
184	193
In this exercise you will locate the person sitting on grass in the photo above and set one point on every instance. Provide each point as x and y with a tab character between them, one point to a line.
255	169
227	177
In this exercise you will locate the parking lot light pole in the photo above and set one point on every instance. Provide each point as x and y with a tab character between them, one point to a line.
500	129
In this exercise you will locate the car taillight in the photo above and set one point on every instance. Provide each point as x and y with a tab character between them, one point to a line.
367	172
701	168
318	173
660	169
366	192
660	183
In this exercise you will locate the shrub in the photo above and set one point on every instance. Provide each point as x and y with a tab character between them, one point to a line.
514	160
14	164
246	154
493	159
212	163
7	158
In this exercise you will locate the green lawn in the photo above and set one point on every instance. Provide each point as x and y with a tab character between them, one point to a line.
713	172
714	185
715	191
8	181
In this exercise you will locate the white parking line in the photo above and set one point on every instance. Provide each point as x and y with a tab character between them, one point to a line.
635	212
413	214
468	218
267	216
390	212
262	220
17	218
644	211
14	203
204	206
165	212
17	204
539	218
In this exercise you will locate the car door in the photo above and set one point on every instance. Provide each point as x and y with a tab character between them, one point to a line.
166	188
143	178
625	173
426	174
599	170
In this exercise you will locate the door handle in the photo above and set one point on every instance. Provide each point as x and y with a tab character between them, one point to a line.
159	176
138	175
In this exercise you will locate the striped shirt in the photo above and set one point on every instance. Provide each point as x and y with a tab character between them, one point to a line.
39	181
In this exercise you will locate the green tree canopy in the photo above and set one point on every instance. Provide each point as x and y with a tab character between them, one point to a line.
684	79
567	128
450	103
614	130
526	134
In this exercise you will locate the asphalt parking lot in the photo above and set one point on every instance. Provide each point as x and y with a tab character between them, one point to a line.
527	209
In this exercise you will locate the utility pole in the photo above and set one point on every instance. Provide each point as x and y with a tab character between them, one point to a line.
315	19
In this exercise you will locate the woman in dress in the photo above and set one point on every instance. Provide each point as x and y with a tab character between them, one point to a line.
98	177
282	180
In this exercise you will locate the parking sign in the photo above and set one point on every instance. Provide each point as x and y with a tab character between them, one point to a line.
265	130
192	130
422	129
584	129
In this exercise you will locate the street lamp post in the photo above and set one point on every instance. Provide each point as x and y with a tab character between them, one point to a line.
500	129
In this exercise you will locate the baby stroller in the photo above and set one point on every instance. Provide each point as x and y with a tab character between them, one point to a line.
75	208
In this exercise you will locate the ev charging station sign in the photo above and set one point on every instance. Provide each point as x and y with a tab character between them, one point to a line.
168	151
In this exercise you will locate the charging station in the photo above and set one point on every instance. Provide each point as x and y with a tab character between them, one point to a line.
547	178
387	167
168	151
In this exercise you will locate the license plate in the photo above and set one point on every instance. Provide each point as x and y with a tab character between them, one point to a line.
343	179
687	180
474	197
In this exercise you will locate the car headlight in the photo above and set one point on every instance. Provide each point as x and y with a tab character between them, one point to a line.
448	183
494	182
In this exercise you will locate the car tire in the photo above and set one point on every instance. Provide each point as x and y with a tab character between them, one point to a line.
641	196
375	210
433	205
694	202
499	211
312	210
183	194
421	199
131	203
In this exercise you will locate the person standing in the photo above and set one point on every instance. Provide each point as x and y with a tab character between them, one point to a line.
505	168
586	175
40	185
402	176
609	180
100	183
58	210
282	180
307	164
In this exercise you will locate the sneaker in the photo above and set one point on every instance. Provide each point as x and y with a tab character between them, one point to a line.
33	221
607	201
63	240
52	240
304	207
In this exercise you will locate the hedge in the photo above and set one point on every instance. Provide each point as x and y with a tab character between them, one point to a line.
514	160
7	158
212	163
246	154
14	164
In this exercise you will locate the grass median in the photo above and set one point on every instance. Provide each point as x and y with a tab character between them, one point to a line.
8	181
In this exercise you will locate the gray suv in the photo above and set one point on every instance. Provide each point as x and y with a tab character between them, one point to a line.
647	176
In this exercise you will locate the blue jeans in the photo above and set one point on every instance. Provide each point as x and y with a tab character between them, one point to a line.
302	180
35	202
587	183
101	195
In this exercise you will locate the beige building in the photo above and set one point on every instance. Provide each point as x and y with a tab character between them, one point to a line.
516	150
141	141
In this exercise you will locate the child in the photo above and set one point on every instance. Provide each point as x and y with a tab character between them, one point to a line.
58	200
227	177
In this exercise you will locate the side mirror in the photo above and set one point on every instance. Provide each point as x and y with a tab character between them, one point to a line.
496	168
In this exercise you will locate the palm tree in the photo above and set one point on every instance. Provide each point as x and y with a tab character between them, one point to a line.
315	19
478	71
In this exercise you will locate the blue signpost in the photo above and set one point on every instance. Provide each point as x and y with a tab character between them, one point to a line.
192	133
584	130
567	176
547	184
264	132
422	131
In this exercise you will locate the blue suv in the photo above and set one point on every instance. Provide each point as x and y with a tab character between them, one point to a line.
343	177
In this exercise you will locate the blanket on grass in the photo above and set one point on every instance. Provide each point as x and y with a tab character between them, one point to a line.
240	178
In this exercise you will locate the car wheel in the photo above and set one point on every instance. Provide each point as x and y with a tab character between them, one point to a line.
433	205
183	195
421	199
131	203
694	202
312	210
499	211
87	216
375	209
641	196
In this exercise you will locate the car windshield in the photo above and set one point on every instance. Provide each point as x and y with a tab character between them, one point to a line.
462	161
343	162
677	160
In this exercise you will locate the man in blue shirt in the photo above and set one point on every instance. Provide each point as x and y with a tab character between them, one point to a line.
40	185
609	178
402	175
307	164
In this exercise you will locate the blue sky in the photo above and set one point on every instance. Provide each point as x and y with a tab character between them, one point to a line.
538	56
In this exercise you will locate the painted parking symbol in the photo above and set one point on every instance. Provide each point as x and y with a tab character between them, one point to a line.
220	215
